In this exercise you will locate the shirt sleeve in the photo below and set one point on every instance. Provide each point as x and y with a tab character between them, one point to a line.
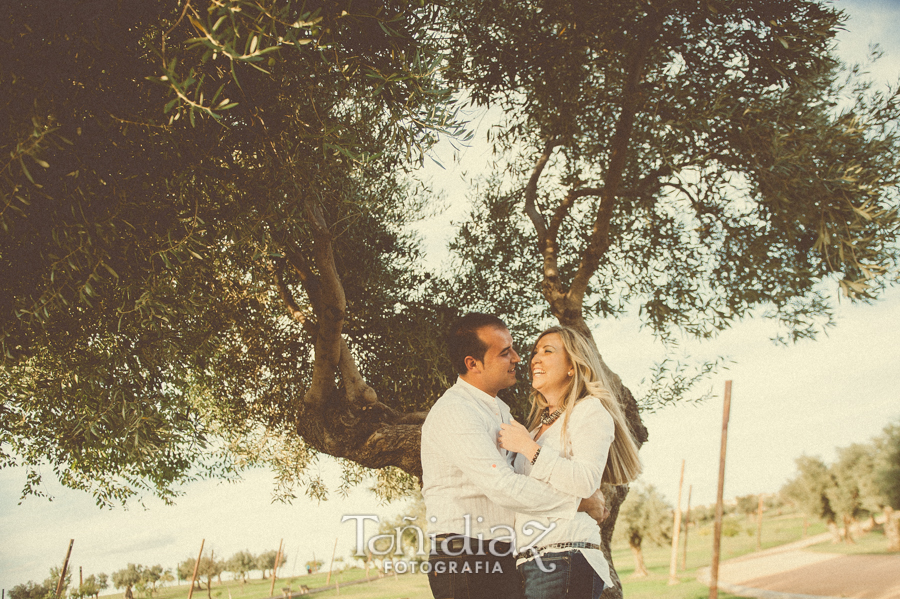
590	432
466	442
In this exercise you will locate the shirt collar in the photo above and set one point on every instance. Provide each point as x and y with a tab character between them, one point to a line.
478	393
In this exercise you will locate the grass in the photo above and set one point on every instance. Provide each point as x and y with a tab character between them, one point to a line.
776	530
411	586
870	543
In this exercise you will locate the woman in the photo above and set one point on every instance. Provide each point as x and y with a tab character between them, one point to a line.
577	437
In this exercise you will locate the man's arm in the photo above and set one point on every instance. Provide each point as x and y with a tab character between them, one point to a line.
595	506
468	442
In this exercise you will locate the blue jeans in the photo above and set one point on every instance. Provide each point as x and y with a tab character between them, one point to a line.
571	577
473	575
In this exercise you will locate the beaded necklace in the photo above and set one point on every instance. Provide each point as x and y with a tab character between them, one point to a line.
547	418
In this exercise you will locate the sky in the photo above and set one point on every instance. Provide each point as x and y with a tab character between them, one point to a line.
809	398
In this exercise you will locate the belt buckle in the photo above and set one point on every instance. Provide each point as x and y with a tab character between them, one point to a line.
455	543
450	542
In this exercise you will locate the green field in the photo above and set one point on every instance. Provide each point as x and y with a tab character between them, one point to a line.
871	543
777	530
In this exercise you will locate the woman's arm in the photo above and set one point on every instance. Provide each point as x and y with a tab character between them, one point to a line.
590	433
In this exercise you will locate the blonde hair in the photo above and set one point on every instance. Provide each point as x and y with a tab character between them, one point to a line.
589	380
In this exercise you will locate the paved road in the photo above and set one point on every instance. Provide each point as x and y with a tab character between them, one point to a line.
793	573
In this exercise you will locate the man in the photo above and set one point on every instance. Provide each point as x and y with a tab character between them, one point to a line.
471	491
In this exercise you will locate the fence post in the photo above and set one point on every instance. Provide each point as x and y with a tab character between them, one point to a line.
687	526
275	568
759	523
62	573
676	528
331	565
196	567
717	535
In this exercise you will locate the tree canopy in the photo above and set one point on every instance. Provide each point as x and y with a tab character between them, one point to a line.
860	483
206	213
645	515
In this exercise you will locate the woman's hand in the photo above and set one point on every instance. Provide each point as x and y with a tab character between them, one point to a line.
515	437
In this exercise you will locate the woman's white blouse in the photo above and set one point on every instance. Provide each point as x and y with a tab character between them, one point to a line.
576	469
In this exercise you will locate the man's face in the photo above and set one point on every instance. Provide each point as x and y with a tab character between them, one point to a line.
498	369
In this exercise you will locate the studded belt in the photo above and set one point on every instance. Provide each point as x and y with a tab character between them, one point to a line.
572	545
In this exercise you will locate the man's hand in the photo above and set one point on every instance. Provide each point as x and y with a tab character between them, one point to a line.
595	506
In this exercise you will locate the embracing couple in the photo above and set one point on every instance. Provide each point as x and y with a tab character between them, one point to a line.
514	511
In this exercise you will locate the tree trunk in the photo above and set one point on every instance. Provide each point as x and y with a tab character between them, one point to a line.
892	528
835	531
848	537
868	525
640	570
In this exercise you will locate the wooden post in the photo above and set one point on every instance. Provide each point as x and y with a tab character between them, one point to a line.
717	535
196	567
759	524
62	573
275	568
331	565
80	577
687	526
676	529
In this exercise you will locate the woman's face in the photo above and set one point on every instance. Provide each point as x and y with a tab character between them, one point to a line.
550	366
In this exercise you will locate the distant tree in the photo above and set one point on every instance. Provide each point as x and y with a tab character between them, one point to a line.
31	590
852	487
102	582
411	521
887	480
773	501
128	577
808	491
240	564
166	576
748	504
209	568
52	581
266	561
184	570
150	576
645	516
702	514
91	587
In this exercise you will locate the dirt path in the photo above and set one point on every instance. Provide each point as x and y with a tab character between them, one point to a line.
794	571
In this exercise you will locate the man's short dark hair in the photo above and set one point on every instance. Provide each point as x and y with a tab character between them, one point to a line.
464	341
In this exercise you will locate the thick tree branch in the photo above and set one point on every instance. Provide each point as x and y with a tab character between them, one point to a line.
307	278
563	209
330	312
294	310
552	288
357	390
632	100
531	210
